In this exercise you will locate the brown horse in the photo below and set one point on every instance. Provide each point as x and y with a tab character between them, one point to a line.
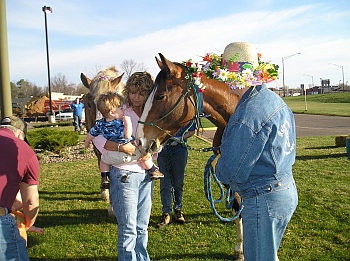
105	81
172	104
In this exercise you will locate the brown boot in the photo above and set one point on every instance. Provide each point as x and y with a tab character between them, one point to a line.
179	217
164	221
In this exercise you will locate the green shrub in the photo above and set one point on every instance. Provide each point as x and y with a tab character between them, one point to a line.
52	139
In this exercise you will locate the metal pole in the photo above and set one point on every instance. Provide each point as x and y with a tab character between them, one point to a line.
342	70
284	92
5	87
45	10
283	59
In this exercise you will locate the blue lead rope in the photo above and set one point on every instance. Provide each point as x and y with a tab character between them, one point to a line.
208	172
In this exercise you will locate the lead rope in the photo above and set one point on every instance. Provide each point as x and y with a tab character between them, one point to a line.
208	172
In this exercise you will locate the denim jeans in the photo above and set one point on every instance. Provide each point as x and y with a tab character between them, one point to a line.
172	162
13	246
265	218
131	198
77	123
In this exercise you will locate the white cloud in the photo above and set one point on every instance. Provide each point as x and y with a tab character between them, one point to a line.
306	29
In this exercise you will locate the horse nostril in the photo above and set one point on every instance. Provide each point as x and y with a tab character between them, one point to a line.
153	146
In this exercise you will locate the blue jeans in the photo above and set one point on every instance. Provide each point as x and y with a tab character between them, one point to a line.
265	218
131	198
13	246
77	123
172	162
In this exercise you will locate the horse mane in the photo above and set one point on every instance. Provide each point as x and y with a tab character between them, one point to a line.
101	82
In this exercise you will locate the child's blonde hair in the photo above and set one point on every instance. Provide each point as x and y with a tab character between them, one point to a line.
107	102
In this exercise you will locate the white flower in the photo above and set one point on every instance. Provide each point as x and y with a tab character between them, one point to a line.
223	74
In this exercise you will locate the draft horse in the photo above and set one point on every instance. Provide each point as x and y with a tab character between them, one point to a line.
105	81
172	104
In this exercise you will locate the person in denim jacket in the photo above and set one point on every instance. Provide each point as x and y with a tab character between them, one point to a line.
257	154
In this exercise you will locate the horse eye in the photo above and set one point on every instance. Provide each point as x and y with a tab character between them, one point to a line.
160	97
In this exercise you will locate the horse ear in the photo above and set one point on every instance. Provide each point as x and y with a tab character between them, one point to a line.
160	64
85	80
169	66
117	80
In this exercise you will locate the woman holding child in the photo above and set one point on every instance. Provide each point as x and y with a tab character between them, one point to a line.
130	185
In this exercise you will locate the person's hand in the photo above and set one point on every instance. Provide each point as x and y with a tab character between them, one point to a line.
36	230
127	148
215	161
86	144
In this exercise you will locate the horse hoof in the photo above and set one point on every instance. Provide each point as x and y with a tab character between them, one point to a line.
110	211
105	195
238	257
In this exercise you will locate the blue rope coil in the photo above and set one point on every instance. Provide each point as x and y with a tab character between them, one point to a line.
208	172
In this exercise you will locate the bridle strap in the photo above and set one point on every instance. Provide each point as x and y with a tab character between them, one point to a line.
189	86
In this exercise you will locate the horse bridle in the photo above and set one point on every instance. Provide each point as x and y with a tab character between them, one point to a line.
190	84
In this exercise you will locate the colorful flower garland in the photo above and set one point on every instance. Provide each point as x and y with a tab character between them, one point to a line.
237	75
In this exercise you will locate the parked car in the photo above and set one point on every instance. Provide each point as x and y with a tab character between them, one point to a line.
64	115
67	114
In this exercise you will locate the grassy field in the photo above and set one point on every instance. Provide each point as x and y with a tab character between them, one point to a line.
325	104
77	226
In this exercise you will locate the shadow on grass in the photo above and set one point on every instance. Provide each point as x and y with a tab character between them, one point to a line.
199	256
204	218
313	157
65	195
75	259
74	217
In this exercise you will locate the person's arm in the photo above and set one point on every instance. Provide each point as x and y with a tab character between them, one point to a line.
127	127
17	204
30	200
127	148
88	140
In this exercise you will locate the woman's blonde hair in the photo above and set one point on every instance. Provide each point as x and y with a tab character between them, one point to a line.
107	102
138	82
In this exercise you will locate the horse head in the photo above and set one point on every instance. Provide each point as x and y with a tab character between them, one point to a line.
169	107
105	81
172	104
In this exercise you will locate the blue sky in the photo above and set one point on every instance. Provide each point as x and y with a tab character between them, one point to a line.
86	35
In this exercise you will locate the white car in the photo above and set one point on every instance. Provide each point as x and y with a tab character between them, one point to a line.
67	114
64	115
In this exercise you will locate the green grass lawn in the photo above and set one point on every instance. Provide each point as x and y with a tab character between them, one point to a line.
77	226
325	104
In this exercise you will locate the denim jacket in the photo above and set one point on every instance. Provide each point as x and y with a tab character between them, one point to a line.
259	141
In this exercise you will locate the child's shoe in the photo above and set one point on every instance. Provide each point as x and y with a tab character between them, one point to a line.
155	174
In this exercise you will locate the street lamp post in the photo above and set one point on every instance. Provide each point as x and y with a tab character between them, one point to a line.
47	9
283	59
342	71
313	85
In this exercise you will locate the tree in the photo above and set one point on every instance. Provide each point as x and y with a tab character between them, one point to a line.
129	66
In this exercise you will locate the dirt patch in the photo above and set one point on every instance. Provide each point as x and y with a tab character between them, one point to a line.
69	154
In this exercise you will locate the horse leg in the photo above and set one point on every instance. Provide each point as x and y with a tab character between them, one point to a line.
104	193
238	254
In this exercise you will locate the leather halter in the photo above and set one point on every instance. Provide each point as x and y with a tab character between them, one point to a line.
190	85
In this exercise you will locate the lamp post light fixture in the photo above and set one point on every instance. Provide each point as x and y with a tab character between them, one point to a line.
46	10
342	71
283	59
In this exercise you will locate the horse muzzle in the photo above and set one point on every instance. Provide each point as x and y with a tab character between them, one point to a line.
151	146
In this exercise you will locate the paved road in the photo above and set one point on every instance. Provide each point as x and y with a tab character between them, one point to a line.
312	125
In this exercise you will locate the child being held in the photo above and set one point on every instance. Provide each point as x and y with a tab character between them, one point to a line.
114	126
